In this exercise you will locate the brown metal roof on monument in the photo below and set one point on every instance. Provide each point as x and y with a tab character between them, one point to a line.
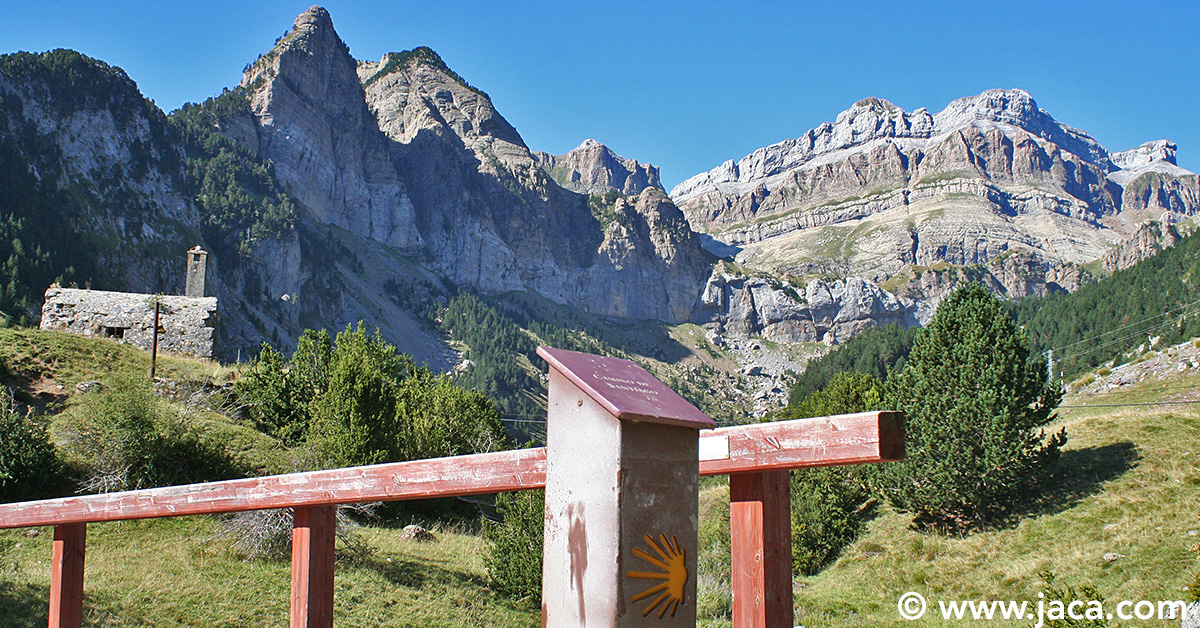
625	389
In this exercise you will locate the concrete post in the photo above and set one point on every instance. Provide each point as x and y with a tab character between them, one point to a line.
622	479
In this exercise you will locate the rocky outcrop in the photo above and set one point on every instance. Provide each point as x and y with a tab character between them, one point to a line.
1150	240
593	168
648	250
819	311
1152	183
881	191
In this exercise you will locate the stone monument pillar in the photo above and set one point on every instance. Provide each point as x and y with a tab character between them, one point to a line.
197	272
622	479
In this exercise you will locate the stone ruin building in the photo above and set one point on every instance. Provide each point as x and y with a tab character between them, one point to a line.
186	324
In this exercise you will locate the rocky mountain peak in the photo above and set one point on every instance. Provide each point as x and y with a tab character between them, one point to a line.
309	117
1144	155
1011	106
413	90
1017	108
593	168
316	17
872	122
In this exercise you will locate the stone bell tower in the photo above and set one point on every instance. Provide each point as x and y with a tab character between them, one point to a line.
197	270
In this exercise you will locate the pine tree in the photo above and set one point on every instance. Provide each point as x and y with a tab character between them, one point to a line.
974	402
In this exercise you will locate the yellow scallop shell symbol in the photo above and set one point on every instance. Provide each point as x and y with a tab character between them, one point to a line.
674	575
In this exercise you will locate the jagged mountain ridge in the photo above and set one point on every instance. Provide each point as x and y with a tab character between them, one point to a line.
409	183
448	180
593	168
881	191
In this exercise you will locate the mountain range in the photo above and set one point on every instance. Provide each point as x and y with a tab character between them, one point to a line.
333	190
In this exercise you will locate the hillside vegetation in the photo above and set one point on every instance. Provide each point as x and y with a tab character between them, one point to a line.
1158	298
1127	483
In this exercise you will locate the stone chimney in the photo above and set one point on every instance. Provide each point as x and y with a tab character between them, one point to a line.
197	269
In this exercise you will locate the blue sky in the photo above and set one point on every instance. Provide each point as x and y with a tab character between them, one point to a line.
688	85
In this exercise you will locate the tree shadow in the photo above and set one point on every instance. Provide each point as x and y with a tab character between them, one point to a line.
26	605
405	572
1077	475
23	605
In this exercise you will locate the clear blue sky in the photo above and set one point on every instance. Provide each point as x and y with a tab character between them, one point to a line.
688	85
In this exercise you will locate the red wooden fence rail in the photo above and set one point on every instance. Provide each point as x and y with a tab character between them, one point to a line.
751	454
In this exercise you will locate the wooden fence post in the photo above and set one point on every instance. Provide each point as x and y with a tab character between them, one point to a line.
761	543
313	531
66	575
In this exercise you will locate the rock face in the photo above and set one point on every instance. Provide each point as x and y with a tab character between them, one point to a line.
882	191
404	152
311	120
1150	240
828	312
85	137
593	168
187	324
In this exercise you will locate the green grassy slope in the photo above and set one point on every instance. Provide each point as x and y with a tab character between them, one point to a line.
1128	484
171	572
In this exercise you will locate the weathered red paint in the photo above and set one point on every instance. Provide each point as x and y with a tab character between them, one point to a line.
761	547
66	575
313	535
836	440
419	479
817	442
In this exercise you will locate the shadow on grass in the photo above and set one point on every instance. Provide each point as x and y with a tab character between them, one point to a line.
1078	474
405	572
23	605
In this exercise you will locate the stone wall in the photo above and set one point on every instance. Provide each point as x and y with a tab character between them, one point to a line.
186	325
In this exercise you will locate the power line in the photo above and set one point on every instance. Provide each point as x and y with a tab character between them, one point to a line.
1125	405
1126	326
1116	341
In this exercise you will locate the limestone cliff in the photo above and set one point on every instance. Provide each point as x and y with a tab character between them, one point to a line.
406	153
311	121
593	168
782	311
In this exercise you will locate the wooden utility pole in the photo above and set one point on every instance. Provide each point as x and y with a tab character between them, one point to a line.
154	345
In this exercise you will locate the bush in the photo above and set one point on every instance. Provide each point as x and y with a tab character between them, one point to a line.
379	406
277	391
29	465
354	419
974	401
514	559
827	514
130	439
